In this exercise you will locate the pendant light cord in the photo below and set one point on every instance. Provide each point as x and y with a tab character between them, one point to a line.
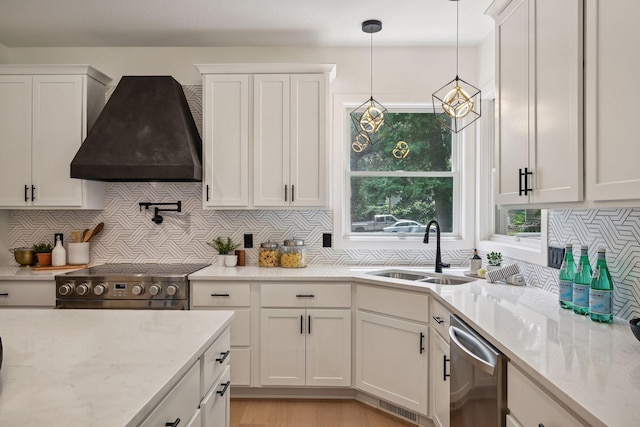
457	35
371	65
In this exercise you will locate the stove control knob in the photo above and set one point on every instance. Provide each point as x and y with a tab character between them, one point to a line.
172	290
155	289
66	289
83	289
100	289
137	289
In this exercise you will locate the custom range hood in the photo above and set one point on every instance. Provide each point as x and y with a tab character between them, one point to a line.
144	133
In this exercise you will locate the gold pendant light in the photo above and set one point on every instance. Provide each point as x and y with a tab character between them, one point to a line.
460	101
370	120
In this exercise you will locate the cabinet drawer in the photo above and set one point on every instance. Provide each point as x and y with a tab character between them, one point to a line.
181	402
532	406
40	293
215	405
440	319
241	369
408	305
208	294
215	360
306	295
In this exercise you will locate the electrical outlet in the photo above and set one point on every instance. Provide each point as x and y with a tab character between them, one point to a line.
555	257
248	241
326	240
55	237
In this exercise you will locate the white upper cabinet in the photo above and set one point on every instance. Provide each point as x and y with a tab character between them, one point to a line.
45	113
611	70
539	102
226	140
265	135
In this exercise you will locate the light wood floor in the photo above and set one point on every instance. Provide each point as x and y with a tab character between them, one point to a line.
309	413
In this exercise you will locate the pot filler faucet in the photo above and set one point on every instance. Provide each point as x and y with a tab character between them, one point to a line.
439	263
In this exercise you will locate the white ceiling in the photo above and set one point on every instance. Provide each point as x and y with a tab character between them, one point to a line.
49	23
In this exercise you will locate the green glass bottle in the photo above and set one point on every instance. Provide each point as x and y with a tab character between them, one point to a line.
567	275
582	283
601	292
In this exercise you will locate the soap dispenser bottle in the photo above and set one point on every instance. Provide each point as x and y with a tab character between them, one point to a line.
475	263
59	254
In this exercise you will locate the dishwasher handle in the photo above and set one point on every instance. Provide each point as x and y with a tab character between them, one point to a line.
473	350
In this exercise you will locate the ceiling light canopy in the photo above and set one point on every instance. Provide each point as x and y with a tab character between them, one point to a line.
460	101
370	120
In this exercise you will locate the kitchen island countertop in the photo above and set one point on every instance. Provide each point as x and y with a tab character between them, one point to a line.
97	367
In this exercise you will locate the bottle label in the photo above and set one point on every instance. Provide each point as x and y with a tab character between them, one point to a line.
596	274
566	290
580	295
600	301
578	268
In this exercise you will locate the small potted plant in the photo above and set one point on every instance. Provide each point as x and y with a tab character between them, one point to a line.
43	252
494	260
225	249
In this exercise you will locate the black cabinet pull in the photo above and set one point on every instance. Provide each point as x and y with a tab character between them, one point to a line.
286	188
293	194
309	327
33	193
26	189
220	295
224	386
421	342
173	424
444	367
4	294
540	425
301	324
305	296
224	356
438	320
523	190
207	192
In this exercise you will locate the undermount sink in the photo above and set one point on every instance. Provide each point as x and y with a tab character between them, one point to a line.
422	277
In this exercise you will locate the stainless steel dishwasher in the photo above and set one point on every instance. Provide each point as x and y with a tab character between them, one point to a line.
478	393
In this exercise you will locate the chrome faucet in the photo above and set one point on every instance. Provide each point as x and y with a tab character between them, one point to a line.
439	263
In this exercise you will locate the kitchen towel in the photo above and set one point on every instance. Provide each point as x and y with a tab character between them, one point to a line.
510	274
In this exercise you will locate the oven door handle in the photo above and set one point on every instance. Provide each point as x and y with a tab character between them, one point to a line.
473	350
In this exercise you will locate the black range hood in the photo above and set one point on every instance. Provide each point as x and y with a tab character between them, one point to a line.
144	133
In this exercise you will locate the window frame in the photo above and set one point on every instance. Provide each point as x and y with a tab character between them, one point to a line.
534	252
464	194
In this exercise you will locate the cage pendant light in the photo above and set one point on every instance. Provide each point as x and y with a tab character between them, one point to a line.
370	120
460	101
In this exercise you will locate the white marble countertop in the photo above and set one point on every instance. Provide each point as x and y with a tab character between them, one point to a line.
593	368
14	273
96	367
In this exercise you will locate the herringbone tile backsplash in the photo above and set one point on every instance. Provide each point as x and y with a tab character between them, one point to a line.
130	236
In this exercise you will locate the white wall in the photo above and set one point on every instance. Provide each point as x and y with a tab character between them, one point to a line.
398	69
487	63
4	54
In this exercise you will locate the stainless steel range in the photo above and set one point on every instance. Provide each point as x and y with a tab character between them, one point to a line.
126	286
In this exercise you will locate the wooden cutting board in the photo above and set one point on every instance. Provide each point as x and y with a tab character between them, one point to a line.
58	267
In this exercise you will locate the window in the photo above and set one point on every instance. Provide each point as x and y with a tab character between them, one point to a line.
401	183
384	201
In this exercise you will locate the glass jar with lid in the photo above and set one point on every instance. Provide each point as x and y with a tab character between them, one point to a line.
293	254
269	255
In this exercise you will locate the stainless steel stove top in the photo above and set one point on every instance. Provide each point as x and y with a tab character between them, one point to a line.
126	285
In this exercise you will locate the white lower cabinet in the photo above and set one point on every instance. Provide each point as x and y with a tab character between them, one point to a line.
391	360
305	347
215	405
236	296
33	294
439	358
531	406
180	404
